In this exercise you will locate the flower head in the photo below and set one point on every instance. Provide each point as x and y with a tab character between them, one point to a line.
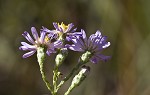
95	44
43	41
62	31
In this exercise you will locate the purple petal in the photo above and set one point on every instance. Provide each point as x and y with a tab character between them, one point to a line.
34	33
98	49
54	34
96	43
42	38
23	48
91	38
27	48
28	37
68	38
98	57
95	40
103	57
49	51
70	35
69	27
83	34
94	60
77	42
47	30
75	34
101	44
98	33
106	45
55	25
84	37
103	40
58	44
28	54
74	47
27	45
61	29
90	41
74	30
81	42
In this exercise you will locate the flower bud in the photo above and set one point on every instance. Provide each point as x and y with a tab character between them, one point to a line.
85	57
61	56
77	80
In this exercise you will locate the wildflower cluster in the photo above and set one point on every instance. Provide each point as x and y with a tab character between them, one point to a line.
54	41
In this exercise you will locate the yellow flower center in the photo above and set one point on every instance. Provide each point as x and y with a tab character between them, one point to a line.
63	26
47	39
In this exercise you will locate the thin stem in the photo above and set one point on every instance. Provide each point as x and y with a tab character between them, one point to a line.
41	59
77	80
69	90
70	74
82	60
45	80
55	78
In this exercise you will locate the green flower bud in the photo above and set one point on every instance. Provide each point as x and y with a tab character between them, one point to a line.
80	76
77	80
61	56
85	57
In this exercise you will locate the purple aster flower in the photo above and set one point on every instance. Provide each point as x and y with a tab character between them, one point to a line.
43	41
62	31
64	28
95	44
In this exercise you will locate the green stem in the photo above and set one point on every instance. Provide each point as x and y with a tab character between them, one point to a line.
41	58
77	80
44	79
55	78
83	60
70	74
69	90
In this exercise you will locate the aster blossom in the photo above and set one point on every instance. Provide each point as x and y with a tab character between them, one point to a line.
62	31
95	44
43	41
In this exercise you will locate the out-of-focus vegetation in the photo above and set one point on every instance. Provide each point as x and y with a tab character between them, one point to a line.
125	22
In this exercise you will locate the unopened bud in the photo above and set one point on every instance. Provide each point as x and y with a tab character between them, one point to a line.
77	80
61	56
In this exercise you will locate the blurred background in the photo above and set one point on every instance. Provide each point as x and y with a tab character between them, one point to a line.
125	22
